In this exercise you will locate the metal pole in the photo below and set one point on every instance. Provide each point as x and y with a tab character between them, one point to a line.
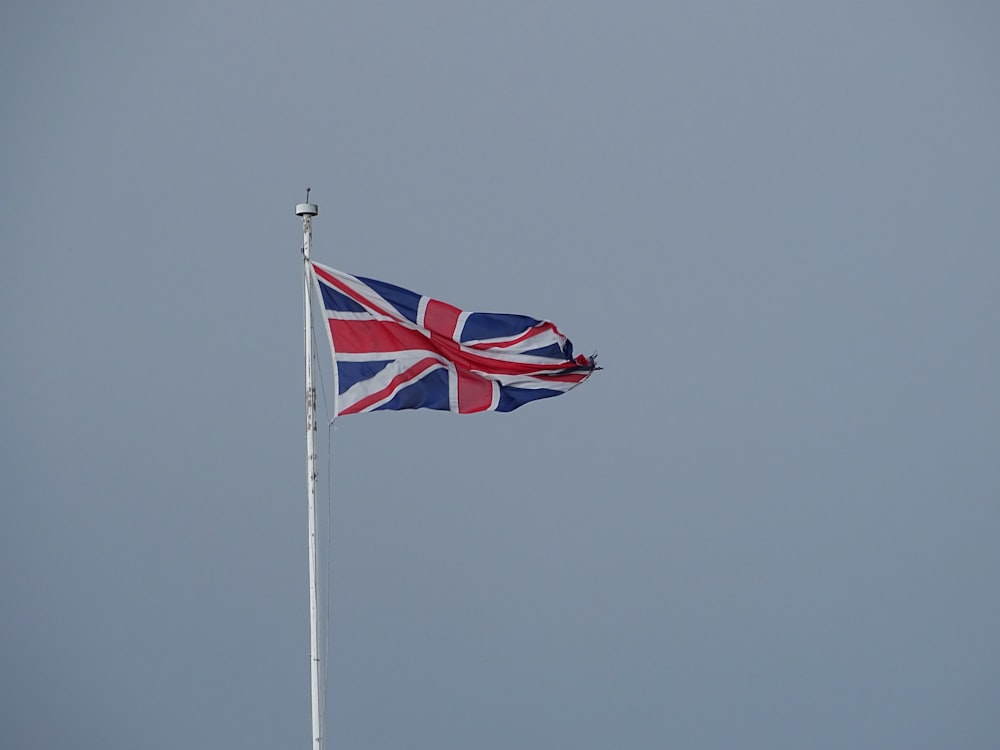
307	211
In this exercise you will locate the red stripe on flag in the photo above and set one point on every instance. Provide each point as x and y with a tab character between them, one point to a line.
570	377
441	318
466	359
378	337
371	336
475	393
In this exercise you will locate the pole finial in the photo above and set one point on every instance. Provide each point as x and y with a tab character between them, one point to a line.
307	208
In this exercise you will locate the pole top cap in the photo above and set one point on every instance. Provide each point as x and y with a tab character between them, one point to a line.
307	208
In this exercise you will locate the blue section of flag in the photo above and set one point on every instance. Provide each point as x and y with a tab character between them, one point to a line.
405	301
511	397
334	300
430	392
350	373
479	326
552	350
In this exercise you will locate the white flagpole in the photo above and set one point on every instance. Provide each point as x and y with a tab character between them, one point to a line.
307	211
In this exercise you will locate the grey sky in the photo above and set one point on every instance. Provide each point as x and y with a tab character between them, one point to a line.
770	522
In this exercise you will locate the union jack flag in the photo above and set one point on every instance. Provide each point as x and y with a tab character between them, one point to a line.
395	349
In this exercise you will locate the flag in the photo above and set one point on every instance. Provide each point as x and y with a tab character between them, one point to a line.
395	349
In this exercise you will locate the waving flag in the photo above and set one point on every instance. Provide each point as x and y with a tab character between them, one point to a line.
395	349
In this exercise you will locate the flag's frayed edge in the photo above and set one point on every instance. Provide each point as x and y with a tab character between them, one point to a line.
594	367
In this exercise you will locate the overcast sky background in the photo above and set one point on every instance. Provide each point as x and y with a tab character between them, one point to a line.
771	522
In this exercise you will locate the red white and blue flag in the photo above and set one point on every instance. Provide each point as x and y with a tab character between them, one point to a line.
396	349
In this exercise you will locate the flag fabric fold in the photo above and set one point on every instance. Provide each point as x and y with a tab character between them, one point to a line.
395	349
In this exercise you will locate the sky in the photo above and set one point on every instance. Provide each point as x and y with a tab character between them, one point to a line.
769	522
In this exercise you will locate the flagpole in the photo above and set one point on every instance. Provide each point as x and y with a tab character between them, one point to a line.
307	211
